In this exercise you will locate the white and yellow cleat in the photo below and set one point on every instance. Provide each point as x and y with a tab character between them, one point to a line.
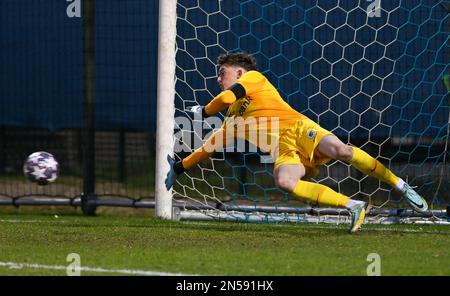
358	214
414	199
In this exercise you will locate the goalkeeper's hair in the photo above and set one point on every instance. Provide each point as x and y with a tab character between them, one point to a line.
241	59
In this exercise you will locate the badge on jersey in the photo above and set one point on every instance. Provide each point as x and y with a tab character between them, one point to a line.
311	134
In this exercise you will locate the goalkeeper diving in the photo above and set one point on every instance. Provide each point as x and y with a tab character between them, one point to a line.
302	144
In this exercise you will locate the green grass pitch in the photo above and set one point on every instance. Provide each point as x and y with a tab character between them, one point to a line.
116	242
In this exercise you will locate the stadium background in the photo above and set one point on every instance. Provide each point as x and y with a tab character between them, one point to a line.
323	59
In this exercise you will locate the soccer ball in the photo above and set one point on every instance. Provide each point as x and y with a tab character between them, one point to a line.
41	168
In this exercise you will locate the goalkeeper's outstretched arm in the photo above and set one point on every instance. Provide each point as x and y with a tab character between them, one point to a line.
221	101
225	99
214	142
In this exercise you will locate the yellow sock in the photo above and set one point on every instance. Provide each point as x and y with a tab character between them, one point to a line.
372	167
319	194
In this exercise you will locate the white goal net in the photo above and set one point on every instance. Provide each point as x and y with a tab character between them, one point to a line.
372	72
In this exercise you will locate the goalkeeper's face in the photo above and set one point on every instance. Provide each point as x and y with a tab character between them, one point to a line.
228	75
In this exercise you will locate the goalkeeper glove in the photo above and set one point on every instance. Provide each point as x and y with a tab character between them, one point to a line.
197	109
176	168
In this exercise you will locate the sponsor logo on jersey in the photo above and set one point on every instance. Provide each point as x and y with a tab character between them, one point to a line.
245	103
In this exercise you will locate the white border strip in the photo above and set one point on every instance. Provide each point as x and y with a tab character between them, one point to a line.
14	265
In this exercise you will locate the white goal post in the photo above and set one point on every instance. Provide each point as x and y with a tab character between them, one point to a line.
165	104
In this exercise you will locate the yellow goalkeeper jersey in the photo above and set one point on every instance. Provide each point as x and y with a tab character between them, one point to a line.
259	114
261	110
261	100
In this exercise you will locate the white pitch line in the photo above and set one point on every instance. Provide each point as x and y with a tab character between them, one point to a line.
387	229
312	225
329	226
18	221
55	220
15	265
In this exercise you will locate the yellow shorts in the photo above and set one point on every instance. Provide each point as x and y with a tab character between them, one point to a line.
298	142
